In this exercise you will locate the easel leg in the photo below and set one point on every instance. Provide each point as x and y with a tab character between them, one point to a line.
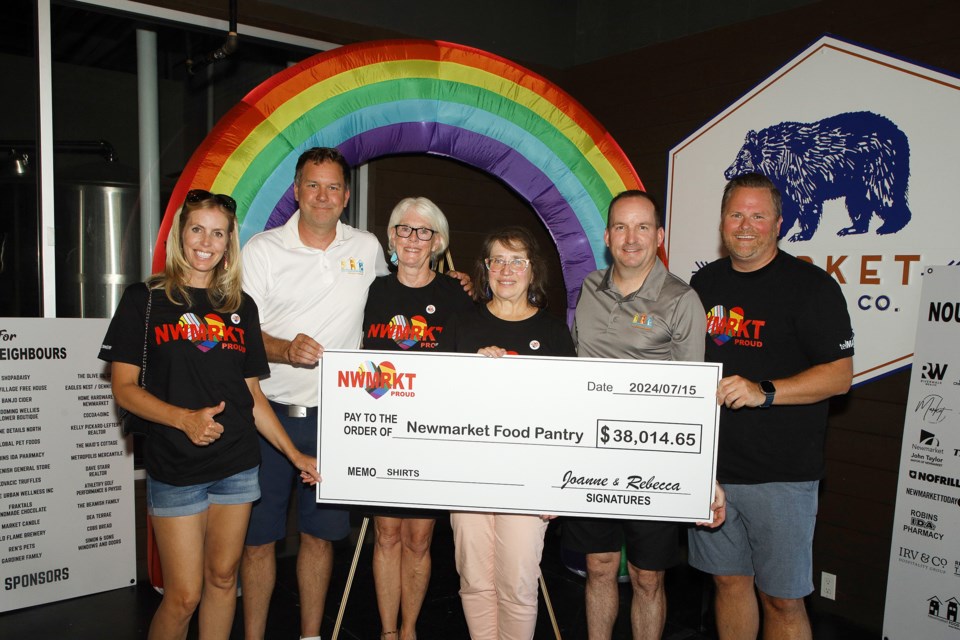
353	570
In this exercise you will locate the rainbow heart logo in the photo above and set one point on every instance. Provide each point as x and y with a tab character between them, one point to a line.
407	333
204	334
722	323
374	374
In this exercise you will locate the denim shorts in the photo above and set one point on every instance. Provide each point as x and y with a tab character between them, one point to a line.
167	500
768	534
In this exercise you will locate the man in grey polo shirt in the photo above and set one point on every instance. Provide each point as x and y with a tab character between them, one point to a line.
633	309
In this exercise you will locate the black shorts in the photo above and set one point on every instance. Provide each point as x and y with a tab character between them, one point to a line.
651	545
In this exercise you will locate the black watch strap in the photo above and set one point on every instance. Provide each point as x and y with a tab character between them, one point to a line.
770	391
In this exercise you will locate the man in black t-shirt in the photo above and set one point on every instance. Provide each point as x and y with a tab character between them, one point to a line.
781	329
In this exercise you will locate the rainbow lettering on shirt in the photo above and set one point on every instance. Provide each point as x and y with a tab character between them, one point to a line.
205	333
725	324
406	332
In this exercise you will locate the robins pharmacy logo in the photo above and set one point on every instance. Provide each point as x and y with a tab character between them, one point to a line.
923	524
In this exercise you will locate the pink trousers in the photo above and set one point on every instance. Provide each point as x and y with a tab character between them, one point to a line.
498	559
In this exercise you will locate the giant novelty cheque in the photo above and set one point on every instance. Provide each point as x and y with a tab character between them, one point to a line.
563	436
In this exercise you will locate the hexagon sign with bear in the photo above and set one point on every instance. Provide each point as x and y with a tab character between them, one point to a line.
864	149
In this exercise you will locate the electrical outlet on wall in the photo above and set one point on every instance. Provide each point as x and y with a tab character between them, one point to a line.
828	585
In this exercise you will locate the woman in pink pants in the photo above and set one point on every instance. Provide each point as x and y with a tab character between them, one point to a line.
498	555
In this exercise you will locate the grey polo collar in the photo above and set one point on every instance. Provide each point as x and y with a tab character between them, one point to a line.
650	289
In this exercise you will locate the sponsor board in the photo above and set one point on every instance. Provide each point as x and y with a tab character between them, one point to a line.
66	473
927	514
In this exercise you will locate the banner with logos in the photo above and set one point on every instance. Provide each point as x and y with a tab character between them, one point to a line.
864	148
923	584
66	475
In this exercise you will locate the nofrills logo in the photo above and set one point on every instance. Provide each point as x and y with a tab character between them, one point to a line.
378	379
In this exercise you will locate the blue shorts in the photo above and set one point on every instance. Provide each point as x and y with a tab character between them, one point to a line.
768	534
268	520
167	500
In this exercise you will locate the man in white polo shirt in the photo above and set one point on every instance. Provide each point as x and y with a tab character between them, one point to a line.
310	279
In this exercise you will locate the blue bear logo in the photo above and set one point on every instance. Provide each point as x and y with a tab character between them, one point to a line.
860	156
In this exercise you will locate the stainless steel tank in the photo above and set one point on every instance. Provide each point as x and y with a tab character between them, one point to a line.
98	238
19	236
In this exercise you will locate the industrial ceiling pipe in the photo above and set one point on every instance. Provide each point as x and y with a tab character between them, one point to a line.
230	45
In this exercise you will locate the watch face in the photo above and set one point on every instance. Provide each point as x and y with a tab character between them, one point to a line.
767	387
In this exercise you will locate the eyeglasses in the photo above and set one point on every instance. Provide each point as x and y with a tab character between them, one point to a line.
519	265
405	231
199	195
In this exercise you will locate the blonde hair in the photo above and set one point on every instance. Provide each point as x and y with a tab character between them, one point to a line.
225	292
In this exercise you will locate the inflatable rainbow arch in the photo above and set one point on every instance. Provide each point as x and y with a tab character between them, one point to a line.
380	98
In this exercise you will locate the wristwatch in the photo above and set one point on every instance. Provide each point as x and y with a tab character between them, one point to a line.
768	390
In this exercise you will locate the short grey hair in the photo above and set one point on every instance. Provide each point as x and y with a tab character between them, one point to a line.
428	210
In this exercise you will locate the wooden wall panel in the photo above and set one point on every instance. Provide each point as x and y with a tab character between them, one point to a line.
858	447
870	515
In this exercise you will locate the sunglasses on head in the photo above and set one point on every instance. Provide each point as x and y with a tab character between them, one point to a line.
199	195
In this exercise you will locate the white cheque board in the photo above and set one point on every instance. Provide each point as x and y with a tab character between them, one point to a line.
564	436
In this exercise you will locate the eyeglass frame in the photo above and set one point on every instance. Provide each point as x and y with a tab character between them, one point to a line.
414	231
503	262
199	195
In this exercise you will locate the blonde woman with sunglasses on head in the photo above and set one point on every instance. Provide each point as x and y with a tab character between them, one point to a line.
202	401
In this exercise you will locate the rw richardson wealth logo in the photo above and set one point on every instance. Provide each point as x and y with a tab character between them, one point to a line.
932	373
